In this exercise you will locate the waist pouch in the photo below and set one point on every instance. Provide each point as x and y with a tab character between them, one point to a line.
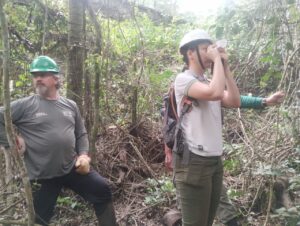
181	148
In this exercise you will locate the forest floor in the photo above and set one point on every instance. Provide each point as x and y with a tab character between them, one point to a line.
143	192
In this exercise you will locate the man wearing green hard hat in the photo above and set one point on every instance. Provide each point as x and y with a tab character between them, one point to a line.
54	142
44	64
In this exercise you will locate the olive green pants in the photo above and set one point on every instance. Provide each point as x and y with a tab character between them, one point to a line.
199	185
225	211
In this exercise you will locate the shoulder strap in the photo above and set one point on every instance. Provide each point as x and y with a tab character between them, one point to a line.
172	100
187	103
187	106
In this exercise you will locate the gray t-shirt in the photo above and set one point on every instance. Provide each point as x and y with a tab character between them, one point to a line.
53	131
203	125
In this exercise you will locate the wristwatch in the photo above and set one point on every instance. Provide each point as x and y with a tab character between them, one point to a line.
264	102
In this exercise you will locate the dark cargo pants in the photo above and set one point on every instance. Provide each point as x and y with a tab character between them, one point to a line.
199	185
92	187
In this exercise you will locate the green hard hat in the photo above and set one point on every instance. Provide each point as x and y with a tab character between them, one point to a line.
43	64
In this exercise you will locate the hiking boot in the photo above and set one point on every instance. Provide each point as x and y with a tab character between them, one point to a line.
108	218
233	222
172	218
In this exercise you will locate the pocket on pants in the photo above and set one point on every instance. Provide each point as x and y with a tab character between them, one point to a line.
188	176
197	172
181	175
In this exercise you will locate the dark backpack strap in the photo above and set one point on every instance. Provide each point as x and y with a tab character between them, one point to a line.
173	101
187	106
187	103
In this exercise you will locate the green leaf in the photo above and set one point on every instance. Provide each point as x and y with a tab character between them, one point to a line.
266	59
289	46
73	205
19	83
219	32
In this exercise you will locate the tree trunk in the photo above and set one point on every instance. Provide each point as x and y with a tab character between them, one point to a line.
45	29
134	103
96	105
2	171
88	100
97	68
76	52
7	117
1	83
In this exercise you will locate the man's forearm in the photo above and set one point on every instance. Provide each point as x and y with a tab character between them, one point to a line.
232	89
232	94
259	102
82	143
252	102
218	81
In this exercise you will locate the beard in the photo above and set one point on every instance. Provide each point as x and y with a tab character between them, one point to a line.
41	90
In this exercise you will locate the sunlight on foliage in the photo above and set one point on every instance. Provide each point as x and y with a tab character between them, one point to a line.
69	201
159	191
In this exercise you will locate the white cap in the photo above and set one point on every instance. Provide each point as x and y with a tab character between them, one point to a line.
194	35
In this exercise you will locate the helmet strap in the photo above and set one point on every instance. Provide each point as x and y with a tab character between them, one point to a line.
199	59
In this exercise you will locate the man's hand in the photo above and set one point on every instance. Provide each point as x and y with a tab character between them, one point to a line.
168	158
82	164
223	55
275	98
213	53
20	144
